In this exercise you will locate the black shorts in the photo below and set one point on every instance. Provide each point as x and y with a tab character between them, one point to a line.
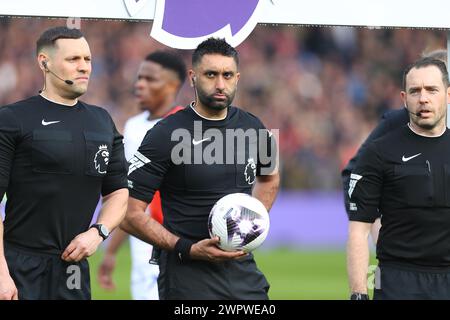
40	276
403	283
195	279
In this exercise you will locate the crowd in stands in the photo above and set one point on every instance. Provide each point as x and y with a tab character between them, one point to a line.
324	88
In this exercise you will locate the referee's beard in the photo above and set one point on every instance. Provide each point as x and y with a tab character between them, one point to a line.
209	101
428	125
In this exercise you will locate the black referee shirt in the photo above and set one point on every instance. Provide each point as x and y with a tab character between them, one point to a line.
189	191
55	162
390	121
406	177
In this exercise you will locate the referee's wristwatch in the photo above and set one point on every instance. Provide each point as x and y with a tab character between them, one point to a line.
359	296
102	230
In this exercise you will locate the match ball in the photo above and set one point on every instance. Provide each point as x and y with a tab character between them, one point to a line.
240	221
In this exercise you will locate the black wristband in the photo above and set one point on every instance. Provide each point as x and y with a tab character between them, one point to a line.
183	249
359	296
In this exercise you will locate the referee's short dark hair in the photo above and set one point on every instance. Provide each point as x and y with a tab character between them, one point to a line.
171	61
214	46
49	36
426	62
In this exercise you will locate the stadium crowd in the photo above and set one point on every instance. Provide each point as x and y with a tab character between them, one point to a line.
324	88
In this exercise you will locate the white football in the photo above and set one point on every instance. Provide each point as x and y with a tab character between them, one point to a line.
240	221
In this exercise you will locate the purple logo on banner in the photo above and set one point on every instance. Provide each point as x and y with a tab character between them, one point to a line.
183	24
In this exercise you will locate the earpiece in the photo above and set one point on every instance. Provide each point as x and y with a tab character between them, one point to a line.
193	78
44	64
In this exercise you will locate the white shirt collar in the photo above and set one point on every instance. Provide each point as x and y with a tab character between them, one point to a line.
192	106
64	104
422	135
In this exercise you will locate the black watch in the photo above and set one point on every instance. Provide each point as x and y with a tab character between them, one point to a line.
359	296
102	230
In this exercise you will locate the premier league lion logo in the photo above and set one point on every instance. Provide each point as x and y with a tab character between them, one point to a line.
250	171
101	159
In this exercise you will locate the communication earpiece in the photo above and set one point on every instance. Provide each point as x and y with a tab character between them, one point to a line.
44	64
193	80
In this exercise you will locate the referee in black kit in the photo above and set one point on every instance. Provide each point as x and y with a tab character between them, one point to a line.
58	155
191	264
405	175
390	121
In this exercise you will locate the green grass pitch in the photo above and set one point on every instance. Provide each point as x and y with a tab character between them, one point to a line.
292	274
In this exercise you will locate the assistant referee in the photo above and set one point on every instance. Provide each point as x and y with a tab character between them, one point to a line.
58	156
390	121
406	176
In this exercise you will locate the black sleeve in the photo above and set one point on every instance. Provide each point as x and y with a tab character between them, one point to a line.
267	158
10	131
116	175
365	185
149	164
389	121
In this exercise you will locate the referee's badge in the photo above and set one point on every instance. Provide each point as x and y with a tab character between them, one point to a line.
354	178
138	161
101	159
250	171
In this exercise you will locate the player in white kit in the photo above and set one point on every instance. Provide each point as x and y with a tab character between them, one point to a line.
160	77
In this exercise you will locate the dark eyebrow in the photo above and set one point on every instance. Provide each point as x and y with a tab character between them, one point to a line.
79	57
431	87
